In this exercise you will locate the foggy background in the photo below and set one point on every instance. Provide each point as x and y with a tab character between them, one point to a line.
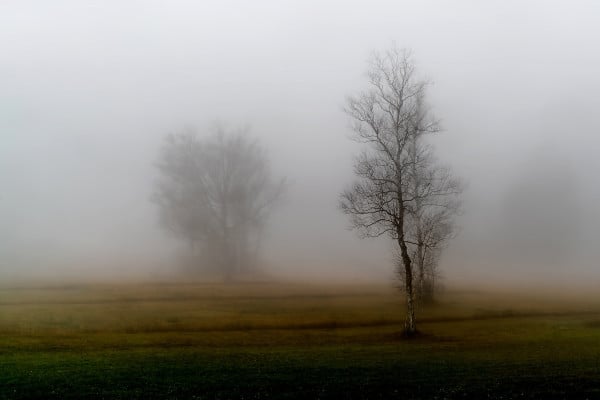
89	89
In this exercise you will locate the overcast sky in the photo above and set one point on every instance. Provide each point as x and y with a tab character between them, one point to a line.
88	90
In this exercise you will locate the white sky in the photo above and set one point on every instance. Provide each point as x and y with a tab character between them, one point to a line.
89	88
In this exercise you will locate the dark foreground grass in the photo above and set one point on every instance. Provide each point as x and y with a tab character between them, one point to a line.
291	341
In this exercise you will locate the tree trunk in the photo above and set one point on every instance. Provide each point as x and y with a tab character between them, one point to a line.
421	269
410	327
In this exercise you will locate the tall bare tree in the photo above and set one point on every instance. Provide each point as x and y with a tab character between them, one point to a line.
391	119
216	193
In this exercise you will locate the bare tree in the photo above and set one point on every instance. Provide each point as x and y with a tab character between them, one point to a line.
216	193
390	119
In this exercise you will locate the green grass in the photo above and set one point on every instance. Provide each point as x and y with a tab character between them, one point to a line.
260	340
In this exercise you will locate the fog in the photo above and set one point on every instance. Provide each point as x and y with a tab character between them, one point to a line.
89	89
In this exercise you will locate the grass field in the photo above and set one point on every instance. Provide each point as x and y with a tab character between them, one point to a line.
284	340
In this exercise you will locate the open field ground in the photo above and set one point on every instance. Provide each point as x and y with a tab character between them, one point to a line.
283	340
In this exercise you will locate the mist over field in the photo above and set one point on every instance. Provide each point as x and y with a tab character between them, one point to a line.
89	90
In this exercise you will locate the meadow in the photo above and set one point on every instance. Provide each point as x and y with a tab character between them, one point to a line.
259	340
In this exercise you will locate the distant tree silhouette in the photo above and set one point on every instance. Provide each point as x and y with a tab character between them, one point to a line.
216	193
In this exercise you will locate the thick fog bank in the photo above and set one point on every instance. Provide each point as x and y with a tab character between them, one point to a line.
90	89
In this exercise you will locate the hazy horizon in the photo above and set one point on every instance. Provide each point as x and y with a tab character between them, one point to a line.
90	89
